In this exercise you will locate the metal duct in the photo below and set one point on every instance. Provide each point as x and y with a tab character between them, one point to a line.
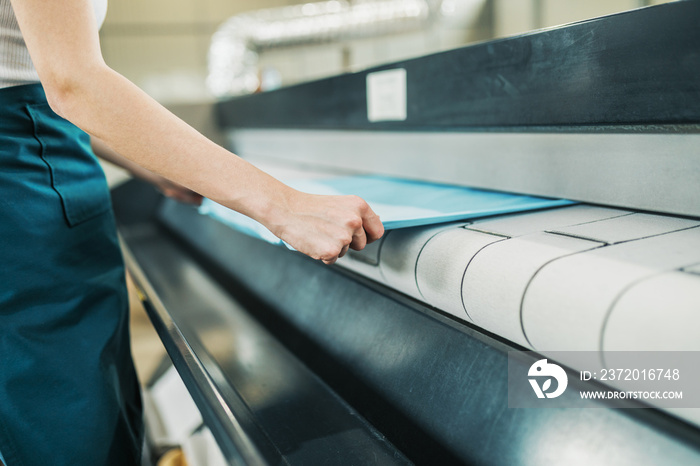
233	54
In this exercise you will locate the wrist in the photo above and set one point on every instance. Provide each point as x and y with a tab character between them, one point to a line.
276	210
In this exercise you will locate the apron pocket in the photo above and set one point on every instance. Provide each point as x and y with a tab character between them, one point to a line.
76	175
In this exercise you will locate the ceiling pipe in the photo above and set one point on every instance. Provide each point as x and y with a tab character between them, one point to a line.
233	54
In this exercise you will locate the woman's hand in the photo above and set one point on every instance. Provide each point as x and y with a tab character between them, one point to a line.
324	227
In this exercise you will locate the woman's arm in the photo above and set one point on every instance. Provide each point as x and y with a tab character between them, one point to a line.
62	39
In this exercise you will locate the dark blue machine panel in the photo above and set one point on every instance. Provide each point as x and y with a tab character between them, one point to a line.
635	68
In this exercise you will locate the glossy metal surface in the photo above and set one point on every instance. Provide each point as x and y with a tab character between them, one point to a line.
634	68
236	443
657	172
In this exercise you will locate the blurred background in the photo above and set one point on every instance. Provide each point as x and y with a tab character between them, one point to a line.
162	45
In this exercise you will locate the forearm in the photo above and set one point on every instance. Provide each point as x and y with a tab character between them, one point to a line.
104	152
164	185
135	126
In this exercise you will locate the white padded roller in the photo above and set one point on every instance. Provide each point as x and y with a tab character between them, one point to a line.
661	313
496	279
533	222
442	263
364	262
399	255
627	228
565	306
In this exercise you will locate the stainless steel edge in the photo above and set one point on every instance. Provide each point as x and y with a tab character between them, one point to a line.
192	370
658	172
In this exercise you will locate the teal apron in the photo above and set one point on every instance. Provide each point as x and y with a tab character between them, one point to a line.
68	390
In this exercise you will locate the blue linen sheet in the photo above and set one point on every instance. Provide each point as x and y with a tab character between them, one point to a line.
399	203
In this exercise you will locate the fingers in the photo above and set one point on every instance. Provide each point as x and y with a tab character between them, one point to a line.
332	260
334	251
365	229
359	240
342	252
374	229
194	198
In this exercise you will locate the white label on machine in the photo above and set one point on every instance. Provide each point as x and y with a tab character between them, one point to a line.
386	95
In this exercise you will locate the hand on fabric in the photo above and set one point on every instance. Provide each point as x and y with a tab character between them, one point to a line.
324	227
